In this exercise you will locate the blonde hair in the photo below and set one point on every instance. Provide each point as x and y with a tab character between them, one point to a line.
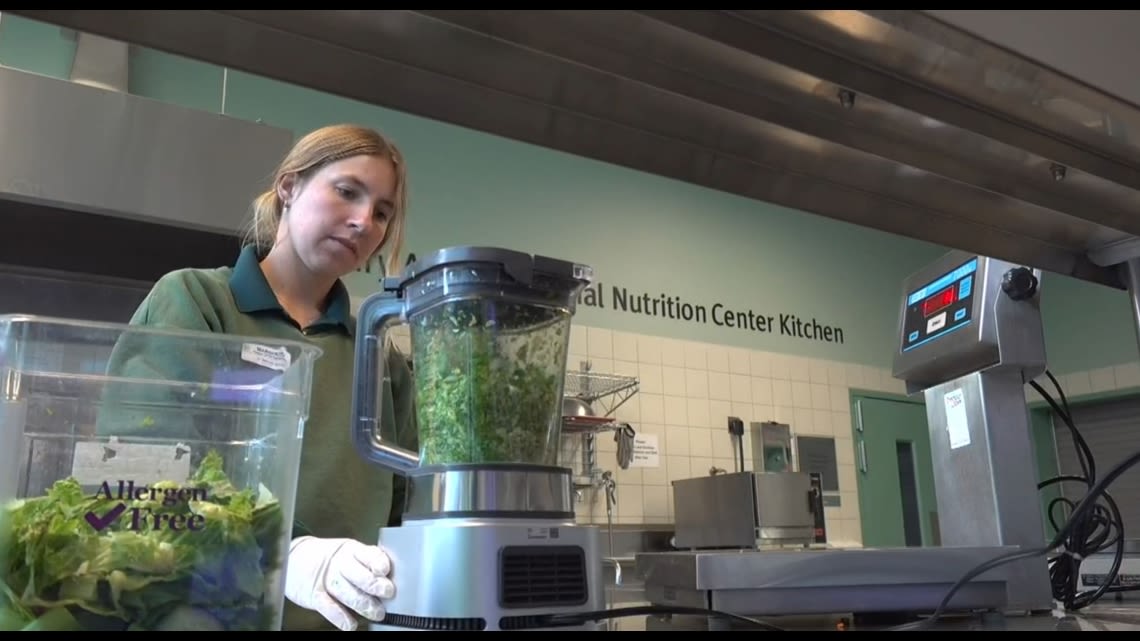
312	152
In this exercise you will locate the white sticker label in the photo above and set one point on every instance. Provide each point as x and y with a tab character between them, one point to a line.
645	452
957	424
277	358
98	462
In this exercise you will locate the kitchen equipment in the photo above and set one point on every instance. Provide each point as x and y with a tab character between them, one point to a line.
970	335
772	446
574	407
578	416
1097	569
147	476
776	583
744	510
736	430
489	516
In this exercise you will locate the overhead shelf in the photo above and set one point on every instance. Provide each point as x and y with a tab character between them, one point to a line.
577	425
605	393
592	386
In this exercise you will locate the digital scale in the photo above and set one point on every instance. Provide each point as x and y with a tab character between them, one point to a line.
972	339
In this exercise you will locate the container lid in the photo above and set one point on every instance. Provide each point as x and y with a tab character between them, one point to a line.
525	269
71	330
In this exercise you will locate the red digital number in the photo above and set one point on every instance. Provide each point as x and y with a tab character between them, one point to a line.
939	301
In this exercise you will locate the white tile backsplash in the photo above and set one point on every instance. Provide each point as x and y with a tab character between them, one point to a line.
687	390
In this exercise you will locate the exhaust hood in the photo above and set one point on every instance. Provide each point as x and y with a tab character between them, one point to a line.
891	120
89	149
99	182
101	62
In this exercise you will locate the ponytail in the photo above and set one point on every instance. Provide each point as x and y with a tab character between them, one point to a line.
262	232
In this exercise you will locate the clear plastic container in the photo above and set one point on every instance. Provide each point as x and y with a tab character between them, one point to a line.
489	376
490	330
147	477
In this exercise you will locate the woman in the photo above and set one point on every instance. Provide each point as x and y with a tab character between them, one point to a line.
337	200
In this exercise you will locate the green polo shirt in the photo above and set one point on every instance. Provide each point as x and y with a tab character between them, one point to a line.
339	494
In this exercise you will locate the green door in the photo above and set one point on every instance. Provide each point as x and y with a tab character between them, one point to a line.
895	473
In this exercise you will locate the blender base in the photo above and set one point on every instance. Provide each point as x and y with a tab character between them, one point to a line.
491	574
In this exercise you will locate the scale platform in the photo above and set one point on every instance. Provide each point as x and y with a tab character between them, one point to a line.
779	582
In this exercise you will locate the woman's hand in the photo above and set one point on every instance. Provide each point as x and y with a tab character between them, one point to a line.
330	575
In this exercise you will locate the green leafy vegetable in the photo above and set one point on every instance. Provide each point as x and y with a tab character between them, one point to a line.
58	572
489	382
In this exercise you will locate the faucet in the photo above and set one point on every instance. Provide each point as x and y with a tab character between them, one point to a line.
610	485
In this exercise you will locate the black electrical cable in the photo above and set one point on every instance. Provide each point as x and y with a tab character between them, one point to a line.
1101	529
579	618
740	452
736	430
1079	522
1090	538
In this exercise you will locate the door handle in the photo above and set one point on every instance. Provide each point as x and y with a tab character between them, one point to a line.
862	457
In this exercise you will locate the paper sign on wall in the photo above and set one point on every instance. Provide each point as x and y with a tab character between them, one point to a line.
956	423
645	452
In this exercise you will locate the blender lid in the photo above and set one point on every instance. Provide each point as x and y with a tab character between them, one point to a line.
521	266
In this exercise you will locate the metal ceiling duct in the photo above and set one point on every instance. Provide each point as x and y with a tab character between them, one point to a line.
99	182
101	62
84	148
886	119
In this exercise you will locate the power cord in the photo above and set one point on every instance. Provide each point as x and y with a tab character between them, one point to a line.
1076	540
736	429
1102	528
579	618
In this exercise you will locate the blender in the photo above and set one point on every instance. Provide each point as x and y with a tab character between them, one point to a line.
488	539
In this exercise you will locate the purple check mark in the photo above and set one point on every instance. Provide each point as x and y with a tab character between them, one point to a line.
100	522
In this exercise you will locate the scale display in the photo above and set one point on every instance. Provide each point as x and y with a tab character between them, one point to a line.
940	307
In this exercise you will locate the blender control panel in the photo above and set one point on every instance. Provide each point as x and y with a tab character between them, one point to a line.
940	307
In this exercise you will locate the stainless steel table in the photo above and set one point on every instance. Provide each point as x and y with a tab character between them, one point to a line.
864	588
1105	617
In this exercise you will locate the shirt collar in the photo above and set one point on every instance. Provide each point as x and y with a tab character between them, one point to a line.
252	293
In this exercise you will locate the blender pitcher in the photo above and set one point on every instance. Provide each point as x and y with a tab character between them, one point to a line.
490	329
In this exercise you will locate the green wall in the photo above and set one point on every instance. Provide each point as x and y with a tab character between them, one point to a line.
1048	467
642	232
1086	326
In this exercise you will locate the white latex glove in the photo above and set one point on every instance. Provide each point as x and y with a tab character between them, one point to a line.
328	575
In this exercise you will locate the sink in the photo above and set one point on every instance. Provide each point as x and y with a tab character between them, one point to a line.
632	539
628	541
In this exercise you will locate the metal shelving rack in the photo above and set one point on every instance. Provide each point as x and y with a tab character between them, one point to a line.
593	387
605	393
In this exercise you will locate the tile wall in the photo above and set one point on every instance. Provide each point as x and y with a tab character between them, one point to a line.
1095	381
687	392
688	389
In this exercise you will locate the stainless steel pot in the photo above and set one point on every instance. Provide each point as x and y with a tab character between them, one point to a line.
574	406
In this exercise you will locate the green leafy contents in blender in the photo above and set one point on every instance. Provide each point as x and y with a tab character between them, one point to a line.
66	565
485	391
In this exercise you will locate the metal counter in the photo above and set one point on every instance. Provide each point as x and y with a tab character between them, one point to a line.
852	589
812	581
1102	617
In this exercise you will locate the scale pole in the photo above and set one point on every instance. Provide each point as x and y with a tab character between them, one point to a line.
1130	272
